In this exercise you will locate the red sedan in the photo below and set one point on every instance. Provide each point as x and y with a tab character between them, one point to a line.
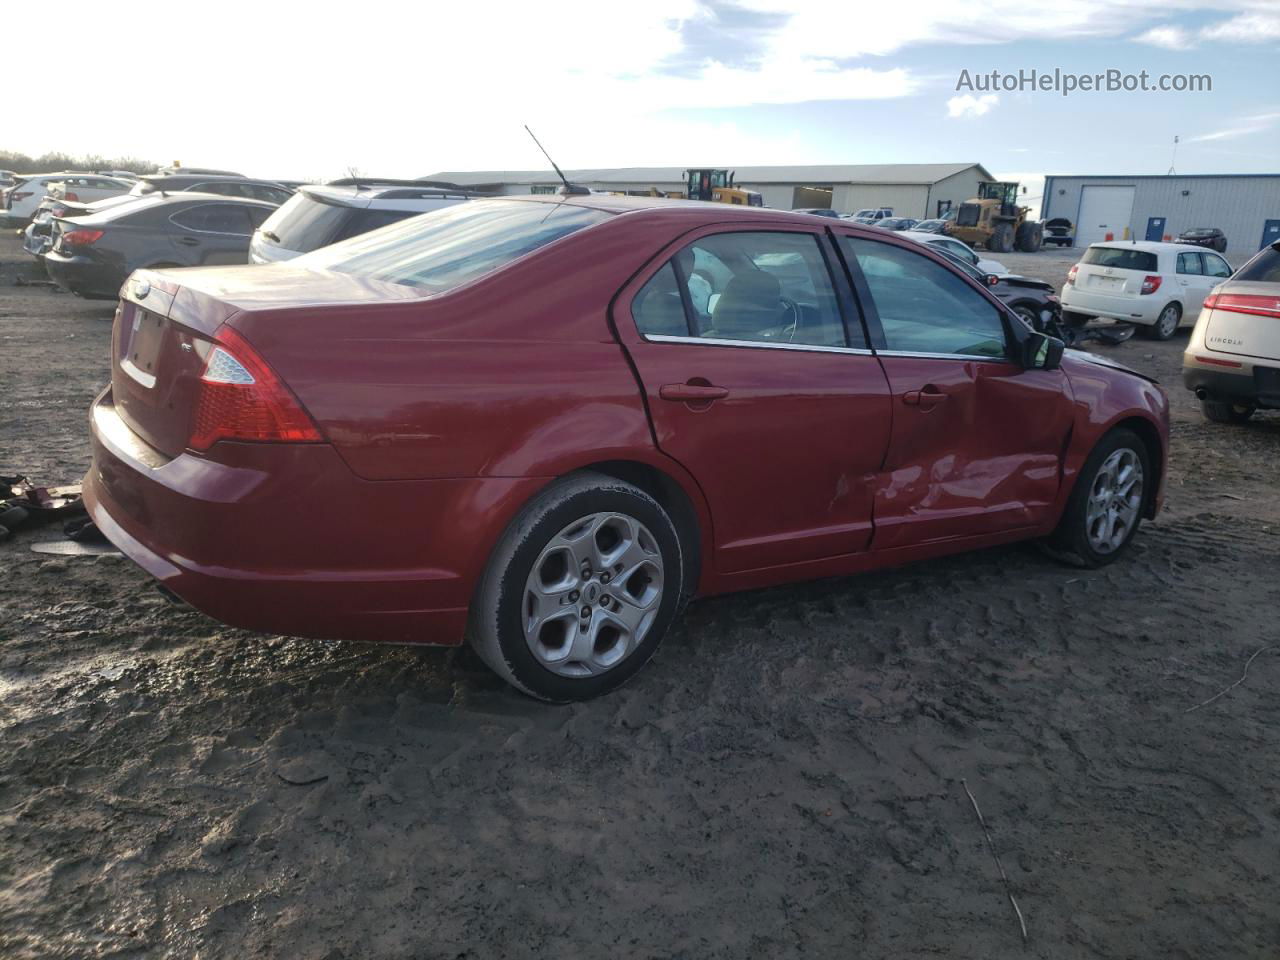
544	424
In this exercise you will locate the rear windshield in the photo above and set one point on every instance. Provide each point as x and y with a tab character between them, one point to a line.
449	247
304	223
1263	268
1122	258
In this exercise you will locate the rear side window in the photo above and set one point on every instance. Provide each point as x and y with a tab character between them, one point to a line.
754	286
446	248
1122	258
1190	263
924	308
214	218
1263	268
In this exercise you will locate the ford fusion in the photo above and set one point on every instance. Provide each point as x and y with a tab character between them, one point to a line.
542	425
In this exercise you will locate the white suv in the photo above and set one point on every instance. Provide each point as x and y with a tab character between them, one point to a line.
1153	285
317	216
1233	360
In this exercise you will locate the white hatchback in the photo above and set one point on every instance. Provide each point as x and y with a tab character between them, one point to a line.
1153	285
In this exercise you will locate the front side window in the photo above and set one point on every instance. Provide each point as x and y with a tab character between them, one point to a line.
1190	263
446	248
751	286
1215	266
923	306
955	248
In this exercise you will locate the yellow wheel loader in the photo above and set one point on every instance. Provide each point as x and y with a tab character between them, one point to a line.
994	220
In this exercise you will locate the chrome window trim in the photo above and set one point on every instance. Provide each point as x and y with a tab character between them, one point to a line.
943	356
757	344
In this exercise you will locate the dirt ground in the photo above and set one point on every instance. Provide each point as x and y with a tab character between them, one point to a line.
785	779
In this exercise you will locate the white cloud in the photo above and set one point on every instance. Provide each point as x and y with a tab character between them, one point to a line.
967	105
1242	127
1168	38
1245	28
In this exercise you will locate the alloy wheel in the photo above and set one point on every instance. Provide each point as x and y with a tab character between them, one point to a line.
1115	499
592	595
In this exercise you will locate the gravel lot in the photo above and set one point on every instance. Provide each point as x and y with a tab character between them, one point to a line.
784	779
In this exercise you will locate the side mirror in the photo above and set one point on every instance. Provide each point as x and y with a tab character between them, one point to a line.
1042	352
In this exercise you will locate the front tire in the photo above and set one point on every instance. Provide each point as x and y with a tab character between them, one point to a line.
580	590
1224	411
1001	238
1106	505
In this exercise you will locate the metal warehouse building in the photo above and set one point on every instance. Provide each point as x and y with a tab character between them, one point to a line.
1246	207
911	189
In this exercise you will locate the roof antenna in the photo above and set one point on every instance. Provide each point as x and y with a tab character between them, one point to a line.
569	189
356	178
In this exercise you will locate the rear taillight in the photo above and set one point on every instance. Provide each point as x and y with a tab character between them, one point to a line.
1151	283
241	398
1071	274
1244	303
70	196
81	237
14	197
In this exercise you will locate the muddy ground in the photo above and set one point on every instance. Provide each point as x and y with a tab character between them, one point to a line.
784	779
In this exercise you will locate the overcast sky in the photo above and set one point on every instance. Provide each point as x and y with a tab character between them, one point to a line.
309	90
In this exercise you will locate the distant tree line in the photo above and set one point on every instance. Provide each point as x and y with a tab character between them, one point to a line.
53	162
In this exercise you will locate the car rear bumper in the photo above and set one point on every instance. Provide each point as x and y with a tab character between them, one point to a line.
82	275
284	538
1142	310
1251	383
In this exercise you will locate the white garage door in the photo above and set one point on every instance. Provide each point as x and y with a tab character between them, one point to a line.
1103	210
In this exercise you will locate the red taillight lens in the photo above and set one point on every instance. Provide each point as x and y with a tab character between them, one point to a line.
1244	303
81	237
70	196
1071	274
241	398
19	196
1151	283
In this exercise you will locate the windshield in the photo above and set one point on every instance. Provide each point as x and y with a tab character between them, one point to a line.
447	248
1121	258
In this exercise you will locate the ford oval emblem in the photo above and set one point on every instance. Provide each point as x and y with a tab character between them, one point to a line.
141	289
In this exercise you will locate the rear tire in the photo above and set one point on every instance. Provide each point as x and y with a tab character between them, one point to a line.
1105	508
561	556
1001	238
1224	411
1166	324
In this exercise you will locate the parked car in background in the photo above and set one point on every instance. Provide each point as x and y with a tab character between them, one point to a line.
92	255
1034	301
931	226
871	214
22	199
549	438
87	188
7	178
229	186
958	249
1058	231
1233	359
1210	237
167	171
317	216
897	223
1154	285
818	211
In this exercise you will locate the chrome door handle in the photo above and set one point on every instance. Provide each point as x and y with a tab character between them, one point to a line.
686	392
